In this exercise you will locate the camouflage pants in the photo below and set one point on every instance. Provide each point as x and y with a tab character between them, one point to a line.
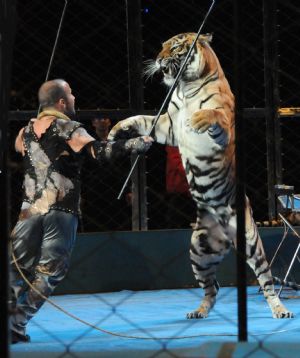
42	246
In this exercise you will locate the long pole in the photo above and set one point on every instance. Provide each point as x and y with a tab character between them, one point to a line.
240	173
136	104
55	43
172	88
7	29
272	102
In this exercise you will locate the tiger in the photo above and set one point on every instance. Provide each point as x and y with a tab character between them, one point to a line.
200	121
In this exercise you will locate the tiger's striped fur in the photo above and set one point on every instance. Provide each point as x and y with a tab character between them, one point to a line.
200	121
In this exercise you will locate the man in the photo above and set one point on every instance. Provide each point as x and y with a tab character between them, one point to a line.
113	214
53	148
101	126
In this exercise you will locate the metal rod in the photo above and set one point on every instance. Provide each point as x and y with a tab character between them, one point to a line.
274	165
295	254
240	172
280	244
7	31
278	248
55	44
128	176
168	96
56	40
136	104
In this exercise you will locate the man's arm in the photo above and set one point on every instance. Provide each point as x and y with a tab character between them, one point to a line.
19	146
102	150
79	139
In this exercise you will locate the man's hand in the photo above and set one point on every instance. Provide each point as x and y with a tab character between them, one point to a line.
138	144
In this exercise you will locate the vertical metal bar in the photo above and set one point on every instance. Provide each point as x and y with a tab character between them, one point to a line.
136	103
139	210
273	134
239	59
7	28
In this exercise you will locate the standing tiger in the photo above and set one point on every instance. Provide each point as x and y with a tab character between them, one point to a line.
200	121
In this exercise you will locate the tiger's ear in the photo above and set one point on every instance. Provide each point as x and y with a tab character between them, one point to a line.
206	38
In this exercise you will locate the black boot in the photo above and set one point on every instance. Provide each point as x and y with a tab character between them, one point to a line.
17	337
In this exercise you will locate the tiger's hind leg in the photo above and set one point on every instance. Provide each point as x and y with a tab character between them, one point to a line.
256	259
209	245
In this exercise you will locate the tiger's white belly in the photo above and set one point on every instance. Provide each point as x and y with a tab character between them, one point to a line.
199	150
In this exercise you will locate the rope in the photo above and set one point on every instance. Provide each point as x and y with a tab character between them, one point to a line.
71	315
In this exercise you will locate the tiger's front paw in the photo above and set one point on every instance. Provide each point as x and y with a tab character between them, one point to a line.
202	120
124	129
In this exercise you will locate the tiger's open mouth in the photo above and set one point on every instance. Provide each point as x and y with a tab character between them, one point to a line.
169	68
168	72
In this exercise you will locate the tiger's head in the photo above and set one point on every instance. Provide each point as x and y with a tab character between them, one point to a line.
173	54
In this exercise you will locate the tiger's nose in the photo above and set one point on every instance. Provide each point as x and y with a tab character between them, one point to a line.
162	64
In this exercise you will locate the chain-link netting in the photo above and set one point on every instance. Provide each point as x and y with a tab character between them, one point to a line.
91	52
92	55
100	80
288	13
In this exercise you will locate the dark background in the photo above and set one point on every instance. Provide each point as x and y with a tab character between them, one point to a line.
92	56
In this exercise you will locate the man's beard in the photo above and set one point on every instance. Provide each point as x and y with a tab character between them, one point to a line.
70	110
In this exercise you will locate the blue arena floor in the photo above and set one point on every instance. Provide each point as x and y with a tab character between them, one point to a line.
159	316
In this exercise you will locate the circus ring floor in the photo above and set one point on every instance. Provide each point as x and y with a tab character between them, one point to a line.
140	318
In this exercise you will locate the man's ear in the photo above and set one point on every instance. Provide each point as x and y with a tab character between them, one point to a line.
62	102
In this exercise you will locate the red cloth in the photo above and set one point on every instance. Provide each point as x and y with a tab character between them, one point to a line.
175	174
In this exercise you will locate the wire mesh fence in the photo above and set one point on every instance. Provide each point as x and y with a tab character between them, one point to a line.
92	35
102	81
92	55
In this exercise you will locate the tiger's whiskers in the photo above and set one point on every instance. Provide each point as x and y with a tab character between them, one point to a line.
150	69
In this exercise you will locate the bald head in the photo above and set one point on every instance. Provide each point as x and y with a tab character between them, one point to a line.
56	94
51	92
